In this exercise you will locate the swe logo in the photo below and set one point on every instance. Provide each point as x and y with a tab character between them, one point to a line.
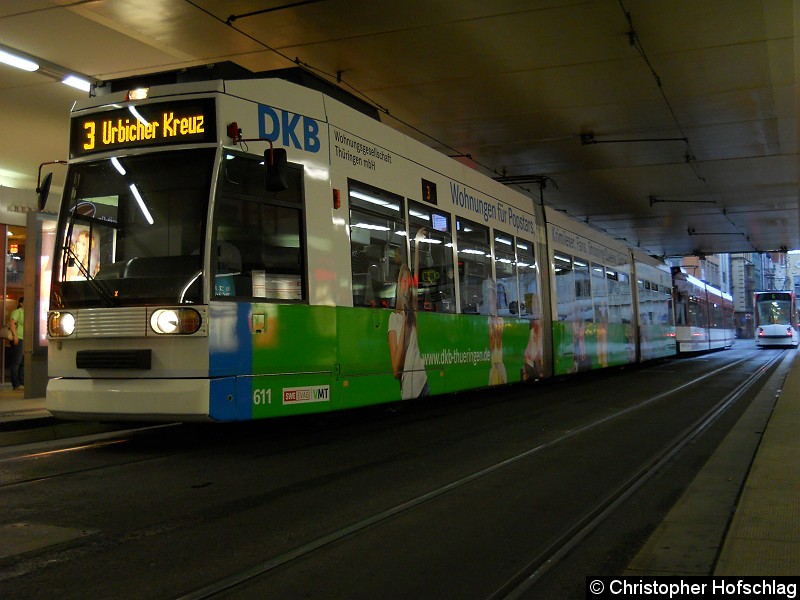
289	128
301	395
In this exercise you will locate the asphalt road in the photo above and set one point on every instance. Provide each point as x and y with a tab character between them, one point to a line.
453	497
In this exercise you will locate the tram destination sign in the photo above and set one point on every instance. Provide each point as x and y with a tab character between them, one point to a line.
135	126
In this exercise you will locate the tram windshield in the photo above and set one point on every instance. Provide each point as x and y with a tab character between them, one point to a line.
774	312
133	230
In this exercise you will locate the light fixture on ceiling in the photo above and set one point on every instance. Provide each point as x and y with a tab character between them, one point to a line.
78	83
588	138
32	64
693	231
17	61
654	200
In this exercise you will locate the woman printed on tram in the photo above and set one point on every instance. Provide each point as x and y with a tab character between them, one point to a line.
408	365
533	366
497	373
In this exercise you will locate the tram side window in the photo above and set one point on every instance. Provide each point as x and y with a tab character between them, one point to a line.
599	293
530	305
583	292
614	298
505	265
259	245
716	314
681	308
669	317
431	242
474	267
697	310
645	302
625	297
377	244
565	287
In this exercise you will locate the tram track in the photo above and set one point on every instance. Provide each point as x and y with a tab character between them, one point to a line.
97	442
105	440
527	577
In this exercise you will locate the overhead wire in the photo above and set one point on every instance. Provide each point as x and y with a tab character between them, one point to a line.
341	81
636	42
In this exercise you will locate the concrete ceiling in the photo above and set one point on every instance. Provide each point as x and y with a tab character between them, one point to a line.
692	105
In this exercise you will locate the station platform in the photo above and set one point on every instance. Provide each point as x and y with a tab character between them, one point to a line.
15	408
738	517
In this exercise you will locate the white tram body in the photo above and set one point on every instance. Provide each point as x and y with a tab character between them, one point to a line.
775	319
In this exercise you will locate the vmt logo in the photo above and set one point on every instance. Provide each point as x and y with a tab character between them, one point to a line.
274	124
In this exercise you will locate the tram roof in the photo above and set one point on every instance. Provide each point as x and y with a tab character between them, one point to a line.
669	124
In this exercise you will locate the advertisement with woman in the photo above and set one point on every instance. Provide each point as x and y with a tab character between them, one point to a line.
84	257
408	365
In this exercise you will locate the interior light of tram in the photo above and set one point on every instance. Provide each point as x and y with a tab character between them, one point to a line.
138	116
142	205
118	165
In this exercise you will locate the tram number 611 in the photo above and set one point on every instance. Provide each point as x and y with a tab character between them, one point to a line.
262	396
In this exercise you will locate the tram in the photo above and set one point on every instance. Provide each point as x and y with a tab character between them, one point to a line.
235	246
704	317
775	319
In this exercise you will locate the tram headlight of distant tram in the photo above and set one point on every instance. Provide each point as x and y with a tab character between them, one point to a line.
61	324
166	321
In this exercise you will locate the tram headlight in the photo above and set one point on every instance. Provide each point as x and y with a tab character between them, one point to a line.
60	324
165	321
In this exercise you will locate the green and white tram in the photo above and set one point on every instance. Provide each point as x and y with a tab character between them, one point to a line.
239	248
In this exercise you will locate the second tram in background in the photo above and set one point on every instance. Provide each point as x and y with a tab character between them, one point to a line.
776	319
704	317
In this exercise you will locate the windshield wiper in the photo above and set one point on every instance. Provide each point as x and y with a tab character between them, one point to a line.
97	287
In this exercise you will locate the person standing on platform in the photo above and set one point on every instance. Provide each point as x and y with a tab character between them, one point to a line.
16	359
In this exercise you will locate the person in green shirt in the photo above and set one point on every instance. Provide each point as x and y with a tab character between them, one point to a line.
16	358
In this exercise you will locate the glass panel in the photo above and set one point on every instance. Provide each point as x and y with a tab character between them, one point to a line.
599	293
625	298
474	266
377	245
530	305
505	266
565	287
697	316
432	254
259	249
614	297
134	230
774	312
583	292
681	308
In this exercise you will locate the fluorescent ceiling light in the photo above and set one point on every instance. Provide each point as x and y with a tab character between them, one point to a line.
370	226
374	200
18	62
77	83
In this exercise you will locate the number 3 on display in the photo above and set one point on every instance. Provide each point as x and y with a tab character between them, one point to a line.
89	127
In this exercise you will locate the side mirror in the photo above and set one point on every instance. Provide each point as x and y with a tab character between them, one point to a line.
43	185
276	167
44	190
